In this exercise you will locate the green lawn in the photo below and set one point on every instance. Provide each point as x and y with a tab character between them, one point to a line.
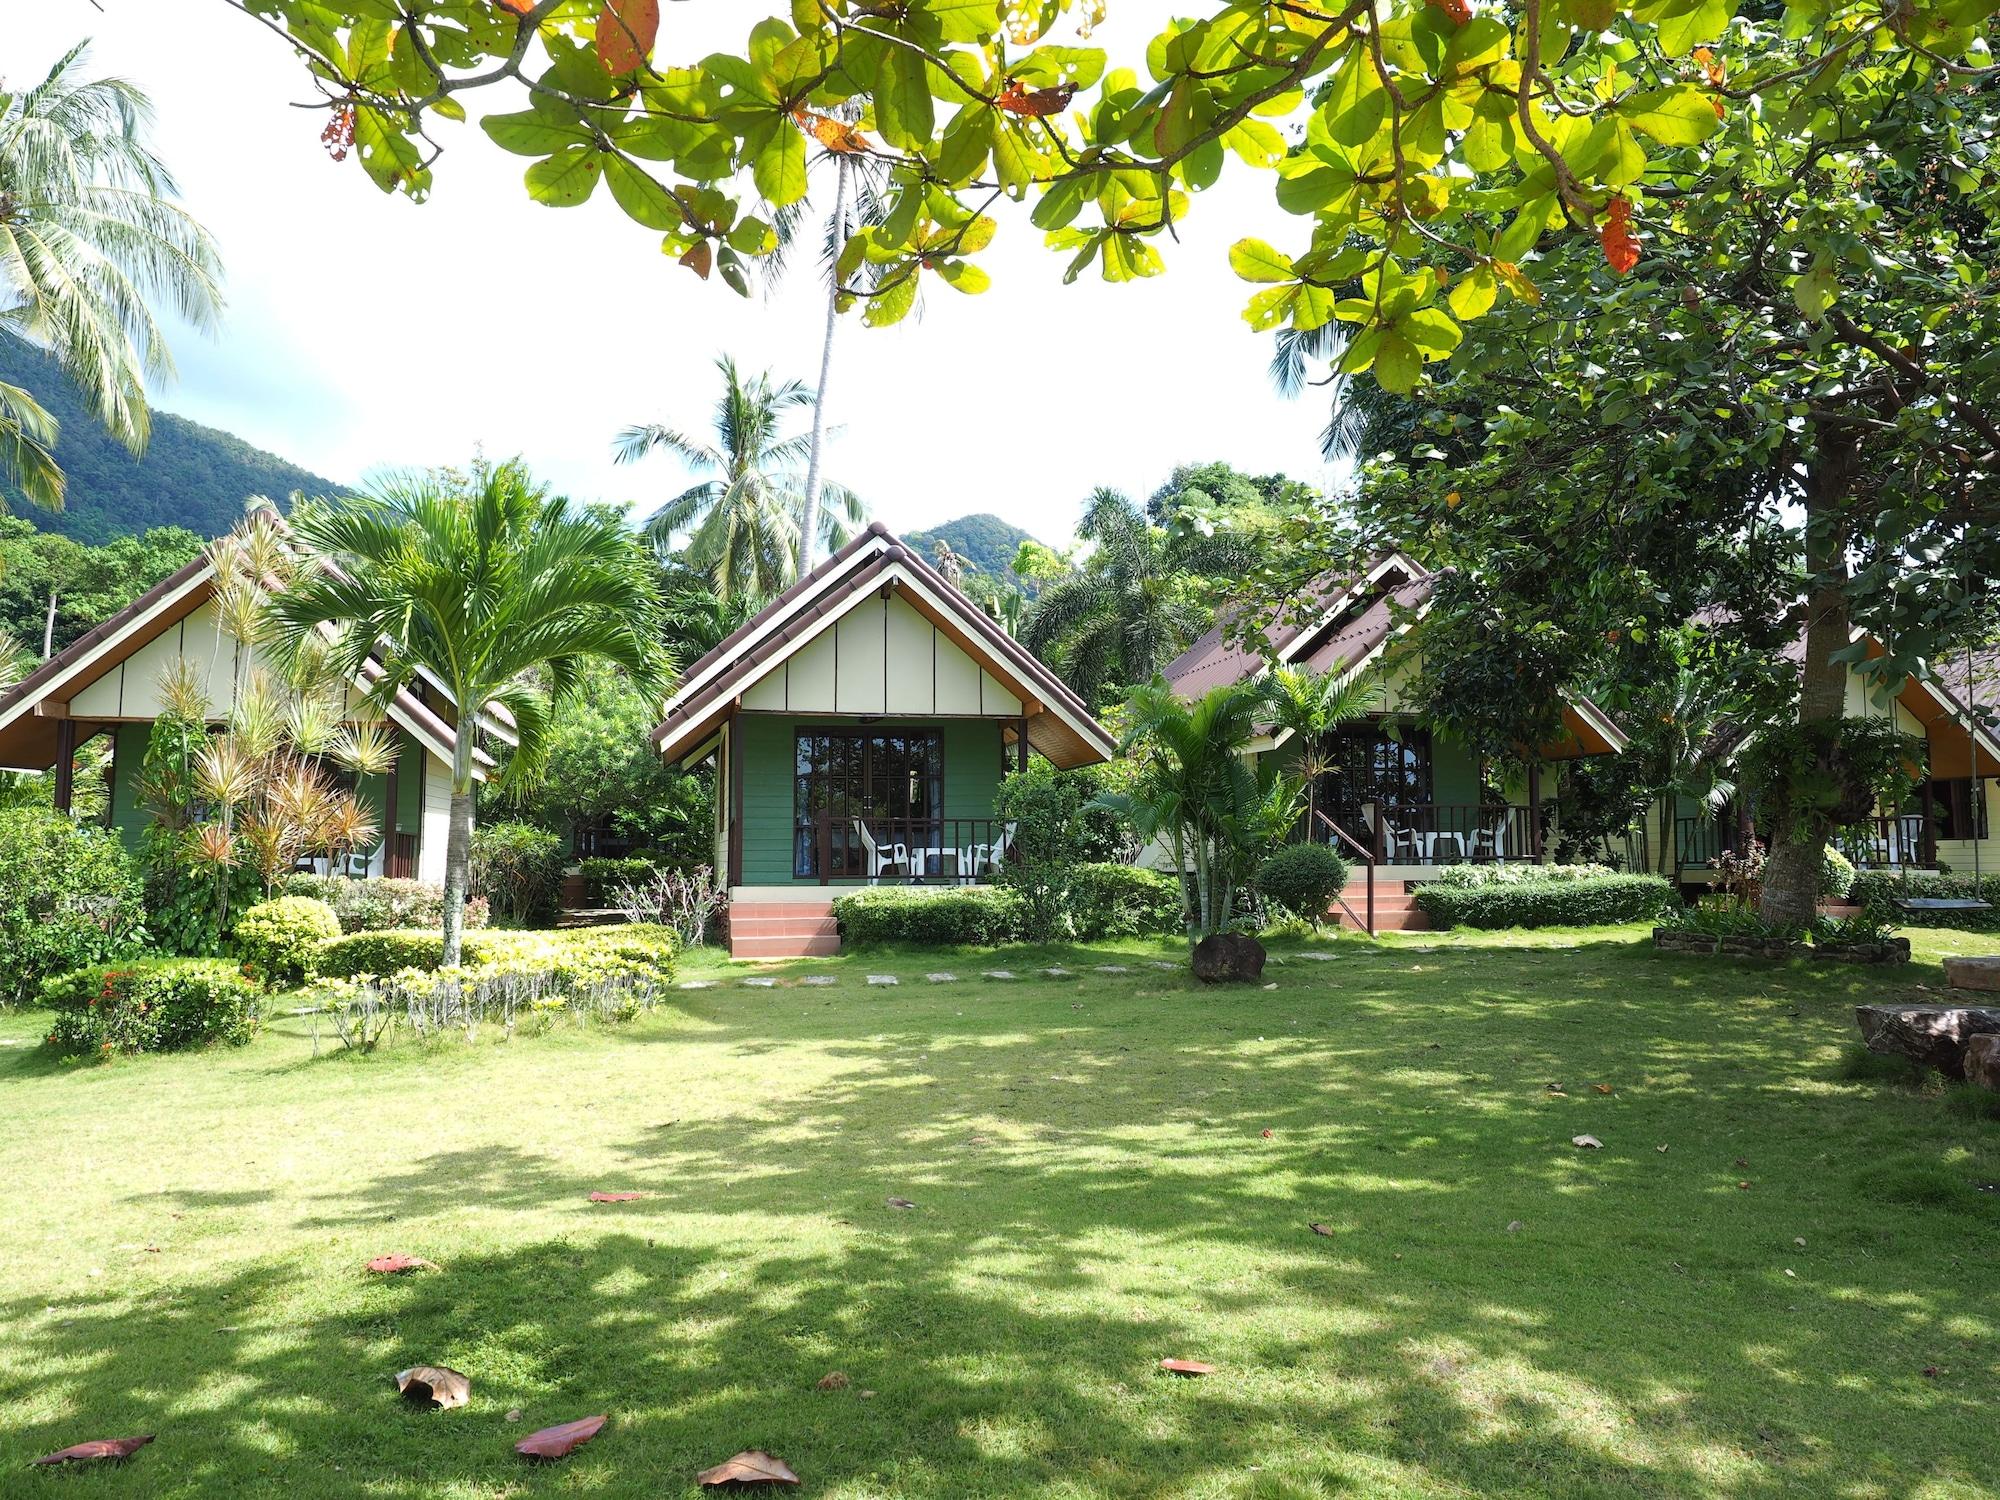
1107	1170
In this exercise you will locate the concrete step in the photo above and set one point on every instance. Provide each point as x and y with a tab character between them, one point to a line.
784	926
782	908
783	947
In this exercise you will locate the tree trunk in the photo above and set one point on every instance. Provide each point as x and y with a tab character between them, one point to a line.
809	534
458	841
1792	870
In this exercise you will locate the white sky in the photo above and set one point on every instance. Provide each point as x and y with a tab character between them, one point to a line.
364	330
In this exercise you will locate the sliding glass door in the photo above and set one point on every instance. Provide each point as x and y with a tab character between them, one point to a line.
891	780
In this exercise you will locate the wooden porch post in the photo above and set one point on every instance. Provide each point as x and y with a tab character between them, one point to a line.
1930	827
733	766
65	763
1021	744
1535	809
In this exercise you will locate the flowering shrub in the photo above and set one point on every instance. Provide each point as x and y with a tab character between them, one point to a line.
154	1005
281	939
379	905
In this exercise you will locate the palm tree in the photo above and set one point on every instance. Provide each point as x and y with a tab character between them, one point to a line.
1311	705
89	245
497	589
747	522
1688	748
1132	607
1218	808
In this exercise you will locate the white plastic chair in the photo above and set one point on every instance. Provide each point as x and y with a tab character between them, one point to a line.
981	858
882	858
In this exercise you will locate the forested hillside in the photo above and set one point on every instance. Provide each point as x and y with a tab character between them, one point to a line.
983	540
191	475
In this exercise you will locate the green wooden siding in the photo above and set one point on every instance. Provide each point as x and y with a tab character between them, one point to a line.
1454	772
128	758
972	772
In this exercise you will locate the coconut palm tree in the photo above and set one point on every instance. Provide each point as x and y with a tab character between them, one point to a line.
1311	705
499	590
89	247
744	523
1135	602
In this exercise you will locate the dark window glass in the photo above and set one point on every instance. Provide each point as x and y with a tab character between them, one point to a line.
891	780
1365	763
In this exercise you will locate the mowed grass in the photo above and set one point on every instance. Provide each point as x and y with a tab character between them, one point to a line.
1776	1278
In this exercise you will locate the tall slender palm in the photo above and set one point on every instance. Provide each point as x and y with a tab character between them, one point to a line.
1312	705
1688	747
1130	609
90	246
500	590
744	523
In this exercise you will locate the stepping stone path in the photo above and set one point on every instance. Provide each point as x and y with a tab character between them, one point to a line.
998	974
942	978
883	979
760	984
696	984
1113	969
1320	958
1059	973
1161	963
818	979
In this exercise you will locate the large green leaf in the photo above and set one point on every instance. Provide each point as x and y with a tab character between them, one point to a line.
1254	260
1682	115
780	167
567	178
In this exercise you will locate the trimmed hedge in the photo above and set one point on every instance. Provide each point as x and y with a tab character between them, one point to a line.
1877	891
1115	901
281	939
955	916
379	904
1515	874
154	1005
1587	902
1302	880
383	953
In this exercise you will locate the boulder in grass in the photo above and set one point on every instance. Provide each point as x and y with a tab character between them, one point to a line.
1931	1036
1982	1061
1981	973
1229	958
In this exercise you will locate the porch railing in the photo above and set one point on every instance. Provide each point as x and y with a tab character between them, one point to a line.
1445	833
1889	842
901	851
1324	830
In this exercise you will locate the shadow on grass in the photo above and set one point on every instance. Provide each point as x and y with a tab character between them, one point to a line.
1492	1311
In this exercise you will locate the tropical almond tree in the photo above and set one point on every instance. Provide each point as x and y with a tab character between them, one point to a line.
490	586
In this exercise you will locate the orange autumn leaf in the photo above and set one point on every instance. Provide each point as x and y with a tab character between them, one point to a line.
835	135
518	7
626	31
1459	10
753	1466
1187	1368
1713	68
1621	244
1022	101
700	258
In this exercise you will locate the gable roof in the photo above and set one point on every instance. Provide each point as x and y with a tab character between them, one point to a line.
1347	620
31	709
1059	725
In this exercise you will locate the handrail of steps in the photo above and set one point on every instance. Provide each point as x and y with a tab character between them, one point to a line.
1341	835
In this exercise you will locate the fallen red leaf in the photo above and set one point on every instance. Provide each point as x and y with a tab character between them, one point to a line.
97	1450
626	31
1602	1088
1267	1135
1186	1367
434	1385
561	1441
615	1197
753	1466
1020	101
833	1380
395	1265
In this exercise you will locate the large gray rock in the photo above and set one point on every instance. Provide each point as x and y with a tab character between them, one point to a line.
1982	1061
1931	1036
1973	973
1228	958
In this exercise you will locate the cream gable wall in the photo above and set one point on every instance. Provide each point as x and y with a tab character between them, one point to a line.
131	690
882	657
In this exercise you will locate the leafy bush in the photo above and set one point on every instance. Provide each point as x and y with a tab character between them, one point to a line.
281	939
155	1005
1723	917
1844	932
1514	874
519	870
378	905
1836	875
1303	879
1583	902
384	953
1114	901
69	897
1877	891
953	916
604	878
1045	810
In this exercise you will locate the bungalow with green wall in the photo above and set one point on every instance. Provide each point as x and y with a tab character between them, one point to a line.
862	724
111	681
